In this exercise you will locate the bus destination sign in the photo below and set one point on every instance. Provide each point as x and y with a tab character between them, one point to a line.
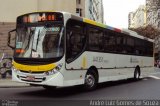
40	17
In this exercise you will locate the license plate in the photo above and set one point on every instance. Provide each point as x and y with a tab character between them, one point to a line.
30	78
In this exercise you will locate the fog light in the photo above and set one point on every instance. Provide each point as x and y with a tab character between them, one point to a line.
17	76
44	78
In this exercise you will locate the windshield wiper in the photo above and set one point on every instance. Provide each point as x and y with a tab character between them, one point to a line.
29	39
40	34
37	40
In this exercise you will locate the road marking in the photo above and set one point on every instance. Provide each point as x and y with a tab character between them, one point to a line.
155	77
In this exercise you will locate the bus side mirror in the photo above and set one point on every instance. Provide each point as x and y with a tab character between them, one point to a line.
11	38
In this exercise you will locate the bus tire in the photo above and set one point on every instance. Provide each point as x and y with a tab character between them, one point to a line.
91	80
137	74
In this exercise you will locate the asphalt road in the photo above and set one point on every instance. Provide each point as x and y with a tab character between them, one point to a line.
147	88
144	89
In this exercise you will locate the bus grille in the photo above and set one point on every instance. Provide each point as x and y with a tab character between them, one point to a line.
41	72
35	79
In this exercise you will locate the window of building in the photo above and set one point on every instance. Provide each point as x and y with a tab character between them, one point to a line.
78	1
79	11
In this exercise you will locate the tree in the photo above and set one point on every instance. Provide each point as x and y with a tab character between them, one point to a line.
149	31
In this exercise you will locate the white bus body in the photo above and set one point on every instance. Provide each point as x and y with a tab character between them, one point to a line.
109	66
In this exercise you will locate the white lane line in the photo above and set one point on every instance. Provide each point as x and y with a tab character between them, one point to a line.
155	77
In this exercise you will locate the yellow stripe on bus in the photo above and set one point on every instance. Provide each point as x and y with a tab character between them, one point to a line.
34	68
84	63
94	23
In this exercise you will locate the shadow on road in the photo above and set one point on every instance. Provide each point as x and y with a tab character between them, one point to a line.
117	83
76	90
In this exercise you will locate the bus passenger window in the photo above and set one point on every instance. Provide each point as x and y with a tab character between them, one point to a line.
76	39
96	39
110	42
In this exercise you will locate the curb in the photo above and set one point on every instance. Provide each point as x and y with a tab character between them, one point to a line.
14	86
8	83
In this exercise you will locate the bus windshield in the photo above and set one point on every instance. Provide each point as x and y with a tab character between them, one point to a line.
39	41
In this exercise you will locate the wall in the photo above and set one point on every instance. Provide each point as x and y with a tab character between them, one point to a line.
66	5
10	9
57	5
5	27
94	10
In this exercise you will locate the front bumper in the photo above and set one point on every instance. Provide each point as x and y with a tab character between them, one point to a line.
38	78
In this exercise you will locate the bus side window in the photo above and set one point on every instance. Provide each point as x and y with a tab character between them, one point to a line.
110	41
68	46
120	44
130	45
75	39
96	39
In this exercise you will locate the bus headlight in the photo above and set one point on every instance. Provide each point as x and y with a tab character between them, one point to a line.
55	70
15	70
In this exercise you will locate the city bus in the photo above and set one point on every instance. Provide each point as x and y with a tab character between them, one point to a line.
59	49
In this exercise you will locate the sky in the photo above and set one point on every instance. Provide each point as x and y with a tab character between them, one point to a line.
116	11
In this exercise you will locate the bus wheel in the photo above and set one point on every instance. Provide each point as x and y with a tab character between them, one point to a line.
137	73
49	87
90	81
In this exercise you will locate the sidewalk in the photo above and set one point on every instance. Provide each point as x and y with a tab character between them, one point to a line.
8	83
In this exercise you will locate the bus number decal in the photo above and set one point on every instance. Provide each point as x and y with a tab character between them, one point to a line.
100	60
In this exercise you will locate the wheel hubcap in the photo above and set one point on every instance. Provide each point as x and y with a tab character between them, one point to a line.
90	80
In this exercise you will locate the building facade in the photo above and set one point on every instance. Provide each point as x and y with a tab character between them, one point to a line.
10	9
131	20
138	18
153	18
92	9
153	13
95	8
